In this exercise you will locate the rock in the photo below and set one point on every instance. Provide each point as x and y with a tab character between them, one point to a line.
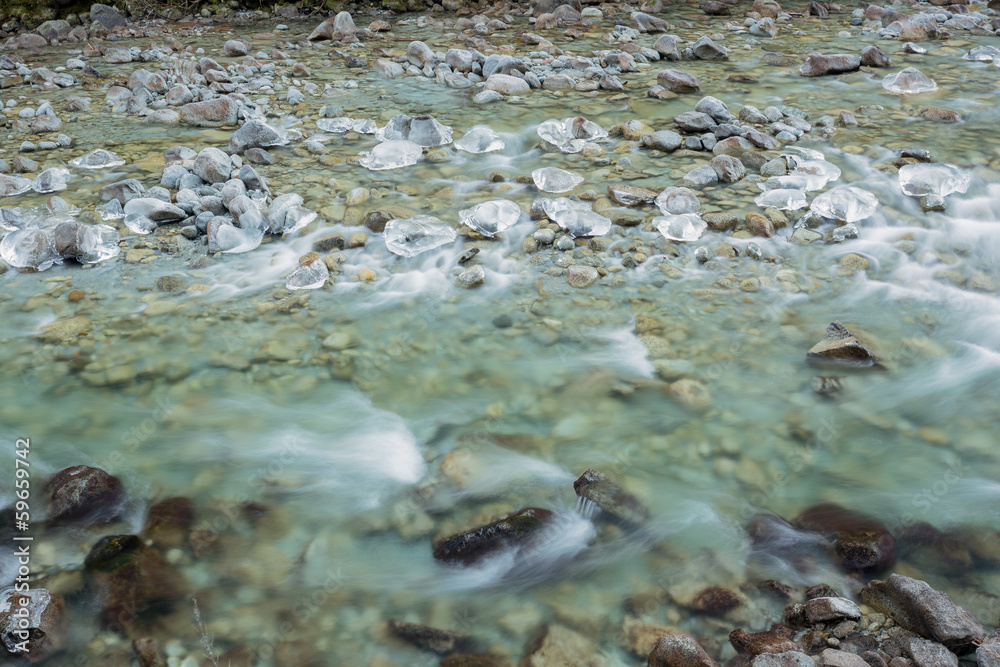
122	191
760	642
700	177
474	276
419	54
163	116
106	16
666	46
32	622
823	609
340	27
694	122
929	613
728	168
258	156
635	130
54	30
117	54
861	543
517	530
630	195
716	601
706	49
147	652
581	276
664	140
766	27
788	659
925	653
648	23
154	209
620	506
816	9
715	8
84	495
212	166
940	114
834	658
388	69
679	650
429	639
507	85
817	64
169	521
211	113
254	134
677	81
759	225
236	47
872	56
988	654
558	645
839	347
475	660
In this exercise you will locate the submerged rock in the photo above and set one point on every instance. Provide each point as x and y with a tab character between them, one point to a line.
861	543
929	613
558	645
169	522
517	530
679	650
430	639
818	64
620	506
82	494
839	347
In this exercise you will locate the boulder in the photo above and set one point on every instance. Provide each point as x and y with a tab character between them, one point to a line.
236	47
419	54
861	543
507	85
729	168
54	30
212	166
666	46
106	16
872	56
758	643
34	619
679	650
648	23
84	495
929	613
517	530
817	64
787	659
677	81
830	608
117	54
925	653
154	209
988	654
254	134
840	347
663	140
593	486
715	8
337	28
694	121
211	113
122	191
558	645
706	49
430	639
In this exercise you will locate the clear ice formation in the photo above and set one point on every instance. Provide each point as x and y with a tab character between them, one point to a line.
424	131
810	175
571	134
97	159
923	178
982	54
675	201
480	139
580	221
312	275
139	224
13	185
681	227
408	237
52	179
783	199
553	179
96	243
286	215
29	249
392	155
491	217
111	211
845	203
909	81
343	125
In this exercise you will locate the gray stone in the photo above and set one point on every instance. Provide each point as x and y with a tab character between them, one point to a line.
834	658
474	276
212	166
253	134
694	121
677	81
666	45
823	609
728	168
706	49
872	56
123	191
817	64
106	16
54	30
925	653
211	113
988	655
581	276
664	140
236	47
648	23
507	85
419	54
787	659
154	209
700	177
117	54
715	108
677	650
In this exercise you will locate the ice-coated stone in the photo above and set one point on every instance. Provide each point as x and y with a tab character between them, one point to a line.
923	178
409	237
52	179
982	53
13	218
312	275
111	211
783	199
392	155
97	159
231	239
675	201
13	185
480	139
287	215
577	220
343	124
909	81
424	131
571	134
846	203
681	227
28	249
139	224
96	243
553	179
491	217
810	175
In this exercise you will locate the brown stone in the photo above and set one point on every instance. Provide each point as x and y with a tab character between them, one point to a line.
840	347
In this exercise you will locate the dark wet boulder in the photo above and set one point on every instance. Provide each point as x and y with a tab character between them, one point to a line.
620	506
475	660
925	653
776	538
32	623
929	613
678	650
430	639
832	608
518	529
716	601
132	581
169	522
840	347
757	643
861	543
82	494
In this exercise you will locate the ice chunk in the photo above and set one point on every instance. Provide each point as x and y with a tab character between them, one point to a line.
344	124
28	249
490	217
52	179
846	203
13	218
673	201
111	211
392	155
923	178
286	215
97	159
13	185
231	239
553	179
571	134
422	130
783	199
810	175
480	139
411	236
682	227
308	276
96	243
982	53
552	207
909	81
581	221
139	223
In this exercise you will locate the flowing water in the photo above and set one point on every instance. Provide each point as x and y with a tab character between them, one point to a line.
328	437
